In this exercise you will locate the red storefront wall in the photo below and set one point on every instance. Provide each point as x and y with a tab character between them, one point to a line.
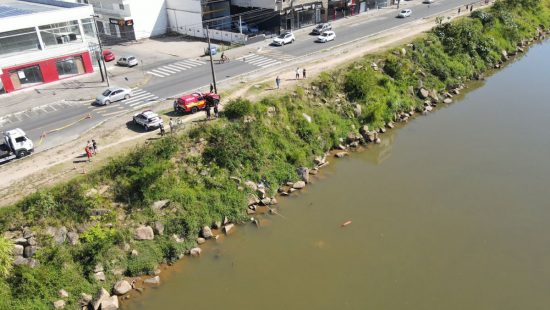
47	68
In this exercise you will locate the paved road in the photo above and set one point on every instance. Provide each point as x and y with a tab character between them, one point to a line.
168	79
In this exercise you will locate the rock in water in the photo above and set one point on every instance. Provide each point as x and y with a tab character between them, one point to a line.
122	287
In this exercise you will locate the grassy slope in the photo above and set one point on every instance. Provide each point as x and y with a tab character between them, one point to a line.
194	171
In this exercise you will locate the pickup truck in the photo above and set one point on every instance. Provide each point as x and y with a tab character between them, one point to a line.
15	145
195	102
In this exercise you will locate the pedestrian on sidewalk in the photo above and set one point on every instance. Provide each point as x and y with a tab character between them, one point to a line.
211	87
459	11
88	153
304	73
207	110
171	123
278	82
216	112
94	146
466	8
297	73
471	7
161	127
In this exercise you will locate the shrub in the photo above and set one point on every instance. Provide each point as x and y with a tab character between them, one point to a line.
149	256
238	108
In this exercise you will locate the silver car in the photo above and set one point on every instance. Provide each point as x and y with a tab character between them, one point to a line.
127	61
322	28
112	94
148	119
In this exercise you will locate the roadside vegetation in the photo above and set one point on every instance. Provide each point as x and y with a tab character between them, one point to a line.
201	174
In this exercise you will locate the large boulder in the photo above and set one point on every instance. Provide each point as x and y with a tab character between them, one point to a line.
144	233
159	228
99	276
227	228
29	251
99	297
423	93
303	173
73	238
195	251
18	250
206	232
59	304
157	205
153	280
252	185
60	235
121	287
110	303
299	185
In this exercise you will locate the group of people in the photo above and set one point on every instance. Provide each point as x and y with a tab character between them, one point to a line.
208	106
91	149
468	7
304	74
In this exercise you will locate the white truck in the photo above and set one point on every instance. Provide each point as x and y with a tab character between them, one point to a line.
15	145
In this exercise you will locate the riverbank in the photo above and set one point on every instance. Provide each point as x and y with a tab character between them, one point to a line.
149	206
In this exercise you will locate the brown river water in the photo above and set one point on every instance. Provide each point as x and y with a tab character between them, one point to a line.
450	212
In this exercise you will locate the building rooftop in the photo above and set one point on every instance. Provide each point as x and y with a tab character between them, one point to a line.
11	8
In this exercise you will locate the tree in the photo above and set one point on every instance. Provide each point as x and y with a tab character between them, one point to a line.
6	258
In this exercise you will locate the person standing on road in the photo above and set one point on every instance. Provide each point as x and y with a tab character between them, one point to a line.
207	110
161	128
297	73
459	11
471	7
171	123
278	82
94	146
88	152
304	73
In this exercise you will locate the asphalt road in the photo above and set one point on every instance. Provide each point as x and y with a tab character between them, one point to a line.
169	79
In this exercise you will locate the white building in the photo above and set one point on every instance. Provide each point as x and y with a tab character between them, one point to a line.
124	20
43	41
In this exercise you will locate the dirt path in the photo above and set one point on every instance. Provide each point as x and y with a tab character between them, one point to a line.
115	138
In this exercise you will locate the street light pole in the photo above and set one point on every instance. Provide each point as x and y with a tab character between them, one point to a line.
211	60
101	49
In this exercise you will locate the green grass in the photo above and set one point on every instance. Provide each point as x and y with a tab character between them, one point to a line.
246	142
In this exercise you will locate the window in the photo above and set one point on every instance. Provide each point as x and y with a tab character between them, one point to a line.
69	66
89	29
24	77
60	33
18	41
121	6
20	139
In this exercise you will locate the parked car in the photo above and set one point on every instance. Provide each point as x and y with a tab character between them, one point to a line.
195	102
284	38
112	94
320	28
326	36
127	61
243	27
404	13
428	1
148	119
108	55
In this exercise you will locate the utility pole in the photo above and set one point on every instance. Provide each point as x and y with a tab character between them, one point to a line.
211	60
241	25
101	50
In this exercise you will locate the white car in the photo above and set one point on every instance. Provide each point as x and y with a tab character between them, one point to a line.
113	94
284	38
405	13
321	28
326	36
127	61
148	119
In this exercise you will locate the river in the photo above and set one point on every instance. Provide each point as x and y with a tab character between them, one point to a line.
452	211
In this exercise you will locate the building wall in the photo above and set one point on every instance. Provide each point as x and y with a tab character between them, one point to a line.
150	17
183	14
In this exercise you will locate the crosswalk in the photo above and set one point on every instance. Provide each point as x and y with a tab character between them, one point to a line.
167	70
140	99
259	60
265	58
